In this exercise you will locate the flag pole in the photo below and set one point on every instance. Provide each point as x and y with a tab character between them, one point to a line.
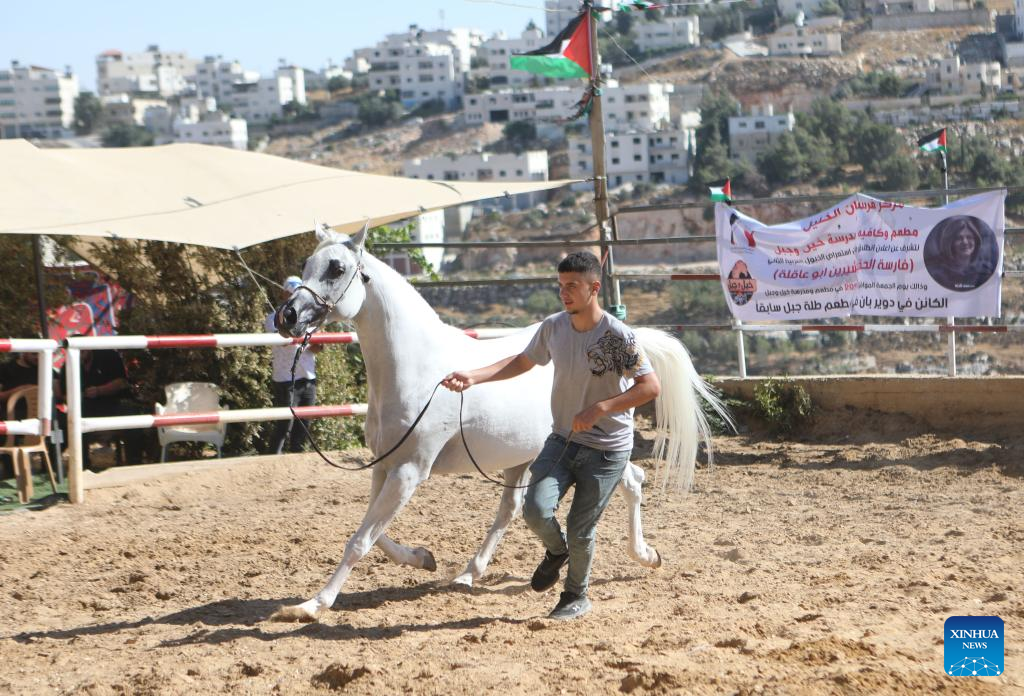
951	320
612	296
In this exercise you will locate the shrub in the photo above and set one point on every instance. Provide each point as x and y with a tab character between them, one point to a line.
783	404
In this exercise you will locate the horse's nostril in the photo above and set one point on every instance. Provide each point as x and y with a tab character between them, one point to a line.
289	316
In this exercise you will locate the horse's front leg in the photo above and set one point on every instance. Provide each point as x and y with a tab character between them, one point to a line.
398	487
511	505
418	557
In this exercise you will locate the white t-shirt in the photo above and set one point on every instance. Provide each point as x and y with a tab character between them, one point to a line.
284	356
590	366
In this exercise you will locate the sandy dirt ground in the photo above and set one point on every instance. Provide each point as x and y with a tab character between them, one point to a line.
822	566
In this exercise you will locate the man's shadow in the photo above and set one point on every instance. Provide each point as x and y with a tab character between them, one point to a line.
228	620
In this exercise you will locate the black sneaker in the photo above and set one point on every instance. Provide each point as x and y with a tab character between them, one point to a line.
570	606
546	574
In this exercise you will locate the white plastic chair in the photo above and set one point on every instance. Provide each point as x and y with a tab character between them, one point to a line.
191	397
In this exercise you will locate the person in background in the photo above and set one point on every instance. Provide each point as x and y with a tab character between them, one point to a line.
288	436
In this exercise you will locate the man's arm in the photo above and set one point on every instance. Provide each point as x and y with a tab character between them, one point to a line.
114	386
645	388
507	368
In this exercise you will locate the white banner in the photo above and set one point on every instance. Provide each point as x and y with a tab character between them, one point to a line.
865	256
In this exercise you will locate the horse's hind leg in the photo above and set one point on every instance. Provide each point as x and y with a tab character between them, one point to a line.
511	505
418	557
632	489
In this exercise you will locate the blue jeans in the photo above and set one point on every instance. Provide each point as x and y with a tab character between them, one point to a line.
595	474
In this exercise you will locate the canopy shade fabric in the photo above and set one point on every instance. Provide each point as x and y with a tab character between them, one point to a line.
207	195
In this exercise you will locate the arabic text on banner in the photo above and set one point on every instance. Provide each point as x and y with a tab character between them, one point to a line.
866	256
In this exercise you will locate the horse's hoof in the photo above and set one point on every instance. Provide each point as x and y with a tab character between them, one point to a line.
429	564
657	563
463	582
293	614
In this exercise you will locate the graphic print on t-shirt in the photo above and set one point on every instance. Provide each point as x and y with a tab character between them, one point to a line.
612	353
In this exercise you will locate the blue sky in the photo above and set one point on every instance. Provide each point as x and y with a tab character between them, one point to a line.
307	32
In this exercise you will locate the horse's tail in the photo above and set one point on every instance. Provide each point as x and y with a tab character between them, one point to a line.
680	420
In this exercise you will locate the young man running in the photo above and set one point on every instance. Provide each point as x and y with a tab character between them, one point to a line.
601	375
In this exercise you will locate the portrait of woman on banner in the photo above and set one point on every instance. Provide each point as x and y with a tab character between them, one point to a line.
961	253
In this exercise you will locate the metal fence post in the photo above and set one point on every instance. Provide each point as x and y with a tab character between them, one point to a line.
741	354
73	389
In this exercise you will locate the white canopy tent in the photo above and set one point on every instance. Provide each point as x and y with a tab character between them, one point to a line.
206	195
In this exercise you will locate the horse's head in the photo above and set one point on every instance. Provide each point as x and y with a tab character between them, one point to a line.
332	285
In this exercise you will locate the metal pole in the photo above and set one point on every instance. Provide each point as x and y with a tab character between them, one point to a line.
616	286
741	353
951	340
73	394
597	148
44	332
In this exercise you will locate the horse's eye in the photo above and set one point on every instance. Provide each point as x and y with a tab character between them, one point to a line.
335	270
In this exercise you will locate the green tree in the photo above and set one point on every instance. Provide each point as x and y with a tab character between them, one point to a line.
899	172
624	22
784	162
88	113
18	301
520	134
338	83
375	111
711	163
124	135
873	143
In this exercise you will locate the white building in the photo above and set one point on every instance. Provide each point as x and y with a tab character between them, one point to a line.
810	40
950	76
492	58
36	102
427	228
791	8
265	99
671	32
217	78
634	157
127	109
751	135
212	129
166	73
486	166
641	106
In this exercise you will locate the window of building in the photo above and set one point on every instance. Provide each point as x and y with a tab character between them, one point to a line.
615	160
758	124
636	141
638	158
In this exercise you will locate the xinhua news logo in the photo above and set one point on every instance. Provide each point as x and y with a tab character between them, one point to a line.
973	646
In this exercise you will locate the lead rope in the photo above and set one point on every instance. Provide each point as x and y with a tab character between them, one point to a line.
462	431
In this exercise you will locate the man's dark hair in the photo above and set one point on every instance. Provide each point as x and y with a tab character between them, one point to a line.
580	262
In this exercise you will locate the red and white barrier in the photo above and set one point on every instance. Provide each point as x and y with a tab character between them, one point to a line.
78	425
40	425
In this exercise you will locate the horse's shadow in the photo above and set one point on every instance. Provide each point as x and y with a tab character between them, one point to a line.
218	622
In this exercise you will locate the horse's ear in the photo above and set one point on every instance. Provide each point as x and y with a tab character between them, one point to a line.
323	232
359	238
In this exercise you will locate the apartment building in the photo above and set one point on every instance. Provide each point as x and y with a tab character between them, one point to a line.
644	106
952	76
671	32
212	129
531	165
166	73
636	157
492	58
217	78
810	40
36	102
261	101
751	135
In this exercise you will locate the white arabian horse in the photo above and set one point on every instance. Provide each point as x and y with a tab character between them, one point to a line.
407	350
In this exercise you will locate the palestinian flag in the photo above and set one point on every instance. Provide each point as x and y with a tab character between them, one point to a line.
721	191
933	142
568	55
640	5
